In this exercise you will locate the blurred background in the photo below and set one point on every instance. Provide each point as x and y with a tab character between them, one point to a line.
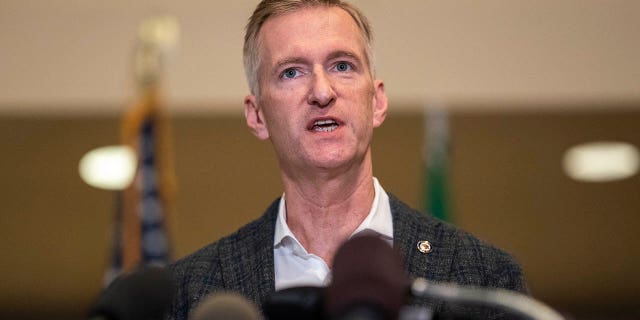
509	86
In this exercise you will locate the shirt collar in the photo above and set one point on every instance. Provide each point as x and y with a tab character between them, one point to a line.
378	220
282	228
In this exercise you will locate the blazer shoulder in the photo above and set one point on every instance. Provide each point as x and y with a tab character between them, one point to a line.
193	277
203	271
207	258
458	256
483	264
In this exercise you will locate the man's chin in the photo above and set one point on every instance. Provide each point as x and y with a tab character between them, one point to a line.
338	164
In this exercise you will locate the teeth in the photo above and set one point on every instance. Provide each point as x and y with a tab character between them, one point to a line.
323	122
326	129
327	125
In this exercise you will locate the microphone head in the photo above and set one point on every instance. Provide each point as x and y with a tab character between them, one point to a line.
144	294
225	306
368	274
295	303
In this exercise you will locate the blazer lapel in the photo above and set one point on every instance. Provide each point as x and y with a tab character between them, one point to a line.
410	227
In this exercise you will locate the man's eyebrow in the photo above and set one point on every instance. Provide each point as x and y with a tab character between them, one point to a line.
301	60
291	60
344	53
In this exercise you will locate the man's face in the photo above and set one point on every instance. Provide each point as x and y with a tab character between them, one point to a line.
318	102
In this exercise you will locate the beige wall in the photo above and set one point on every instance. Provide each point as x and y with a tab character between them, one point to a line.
74	56
577	242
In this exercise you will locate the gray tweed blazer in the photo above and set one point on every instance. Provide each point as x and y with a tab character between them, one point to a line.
243	262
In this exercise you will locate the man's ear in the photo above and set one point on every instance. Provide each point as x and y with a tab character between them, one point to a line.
255	118
379	104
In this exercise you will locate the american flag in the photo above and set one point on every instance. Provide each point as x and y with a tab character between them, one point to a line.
140	235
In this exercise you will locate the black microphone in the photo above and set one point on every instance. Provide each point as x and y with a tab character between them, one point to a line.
225	306
369	281
295	303
141	295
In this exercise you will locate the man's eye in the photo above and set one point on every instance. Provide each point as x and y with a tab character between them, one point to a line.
290	73
343	66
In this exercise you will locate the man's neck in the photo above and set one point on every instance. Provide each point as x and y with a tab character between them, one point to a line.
323	212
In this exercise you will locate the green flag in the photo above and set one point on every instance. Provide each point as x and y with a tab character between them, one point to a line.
436	157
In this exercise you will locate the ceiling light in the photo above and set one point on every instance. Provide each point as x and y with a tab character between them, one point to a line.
111	167
601	161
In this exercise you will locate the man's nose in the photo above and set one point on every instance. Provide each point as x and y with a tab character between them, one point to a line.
321	93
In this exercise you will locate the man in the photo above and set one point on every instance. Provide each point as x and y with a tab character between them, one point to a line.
314	96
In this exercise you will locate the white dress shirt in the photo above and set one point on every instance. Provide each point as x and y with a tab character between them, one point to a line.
294	266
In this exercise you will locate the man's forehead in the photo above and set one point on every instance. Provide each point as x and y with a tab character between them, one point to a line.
290	32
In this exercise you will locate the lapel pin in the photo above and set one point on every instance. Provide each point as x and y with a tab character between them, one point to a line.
424	246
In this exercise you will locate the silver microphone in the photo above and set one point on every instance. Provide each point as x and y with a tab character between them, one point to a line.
225	306
503	299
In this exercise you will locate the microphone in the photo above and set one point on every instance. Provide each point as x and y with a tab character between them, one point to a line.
225	306
295	303
507	300
141	295
368	282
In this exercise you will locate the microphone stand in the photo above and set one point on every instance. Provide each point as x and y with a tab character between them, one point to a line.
504	299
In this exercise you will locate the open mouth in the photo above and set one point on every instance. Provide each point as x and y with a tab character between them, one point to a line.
324	125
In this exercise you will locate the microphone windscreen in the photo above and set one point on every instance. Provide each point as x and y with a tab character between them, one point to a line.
294	304
367	274
141	295
227	306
